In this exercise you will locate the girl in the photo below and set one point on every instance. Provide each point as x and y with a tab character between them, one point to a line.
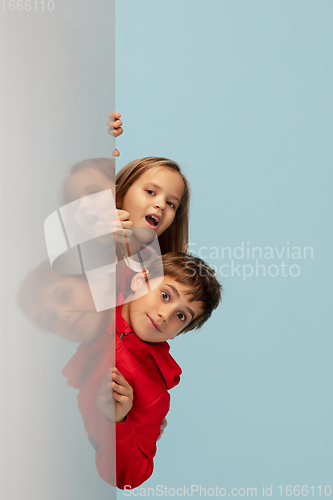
152	195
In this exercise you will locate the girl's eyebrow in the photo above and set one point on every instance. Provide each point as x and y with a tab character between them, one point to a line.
159	187
95	187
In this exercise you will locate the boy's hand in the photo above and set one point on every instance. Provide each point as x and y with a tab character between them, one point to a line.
122	229
115	128
115	386
162	427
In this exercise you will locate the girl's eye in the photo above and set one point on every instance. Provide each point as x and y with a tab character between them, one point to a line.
166	296
150	191
171	204
181	316
64	298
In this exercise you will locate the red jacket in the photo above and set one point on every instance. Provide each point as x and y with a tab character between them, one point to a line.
151	371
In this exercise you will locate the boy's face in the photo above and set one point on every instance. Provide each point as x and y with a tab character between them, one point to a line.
163	312
67	308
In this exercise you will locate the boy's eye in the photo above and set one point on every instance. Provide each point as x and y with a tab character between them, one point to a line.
172	205
64	298
181	316
150	191
166	296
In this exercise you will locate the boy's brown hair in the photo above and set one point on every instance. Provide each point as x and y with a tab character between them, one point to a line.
197	275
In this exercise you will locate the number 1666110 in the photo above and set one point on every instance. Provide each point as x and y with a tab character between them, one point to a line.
27	5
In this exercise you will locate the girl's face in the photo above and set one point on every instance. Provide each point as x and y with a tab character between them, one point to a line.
85	182
153	199
95	211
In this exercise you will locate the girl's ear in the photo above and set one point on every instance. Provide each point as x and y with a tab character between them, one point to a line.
139	279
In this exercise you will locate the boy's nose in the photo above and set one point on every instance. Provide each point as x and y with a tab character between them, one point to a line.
164	315
63	315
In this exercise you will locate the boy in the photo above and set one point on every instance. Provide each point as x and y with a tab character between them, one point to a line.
183	300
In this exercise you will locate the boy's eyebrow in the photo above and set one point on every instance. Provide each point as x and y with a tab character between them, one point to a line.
190	311
177	293
173	288
56	290
159	187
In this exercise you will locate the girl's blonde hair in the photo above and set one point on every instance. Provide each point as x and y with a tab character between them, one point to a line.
105	166
175	238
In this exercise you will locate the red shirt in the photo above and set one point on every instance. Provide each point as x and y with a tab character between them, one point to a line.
151	371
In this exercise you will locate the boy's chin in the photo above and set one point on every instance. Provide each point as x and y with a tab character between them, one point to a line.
146	336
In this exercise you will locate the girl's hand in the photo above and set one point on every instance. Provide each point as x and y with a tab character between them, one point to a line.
115	128
114	386
122	228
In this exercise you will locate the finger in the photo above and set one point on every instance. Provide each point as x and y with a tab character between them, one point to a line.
115	132
123	400
123	391
120	380
105	398
125	223
122	386
114	123
121	237
124	237
117	123
115	152
164	424
114	115
105	389
107	378
123	215
122	228
122	234
118	131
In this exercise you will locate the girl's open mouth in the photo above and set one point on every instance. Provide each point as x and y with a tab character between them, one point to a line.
91	220
153	220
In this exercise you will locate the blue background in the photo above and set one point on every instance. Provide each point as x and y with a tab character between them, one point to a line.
239	93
